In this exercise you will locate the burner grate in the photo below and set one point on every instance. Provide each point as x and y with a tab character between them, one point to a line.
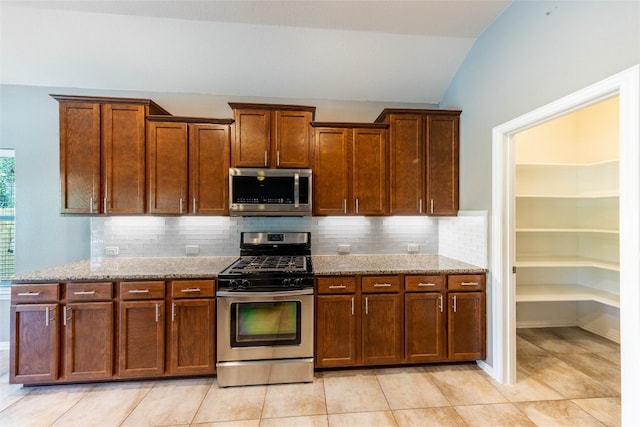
270	263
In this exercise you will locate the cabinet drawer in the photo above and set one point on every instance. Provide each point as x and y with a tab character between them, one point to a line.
91	291
142	290
465	282
380	284
35	293
336	285
424	283
192	288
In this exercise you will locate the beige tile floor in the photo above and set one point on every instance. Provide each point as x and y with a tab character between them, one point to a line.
566	377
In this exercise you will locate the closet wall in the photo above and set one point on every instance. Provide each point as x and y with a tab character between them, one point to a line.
567	210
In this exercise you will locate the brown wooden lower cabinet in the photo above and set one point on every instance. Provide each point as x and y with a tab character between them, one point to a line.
141	338
191	346
425	328
466	326
88	340
34	356
336	330
382	337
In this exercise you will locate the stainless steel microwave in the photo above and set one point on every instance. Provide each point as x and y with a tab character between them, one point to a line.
269	192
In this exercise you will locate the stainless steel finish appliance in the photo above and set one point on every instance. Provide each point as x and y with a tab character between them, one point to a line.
265	312
269	192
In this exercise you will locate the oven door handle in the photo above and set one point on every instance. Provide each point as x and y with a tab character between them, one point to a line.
264	294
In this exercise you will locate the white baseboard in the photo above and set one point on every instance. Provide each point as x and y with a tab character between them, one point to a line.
4	345
609	334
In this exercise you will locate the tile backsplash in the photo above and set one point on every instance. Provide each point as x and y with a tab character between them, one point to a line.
148	236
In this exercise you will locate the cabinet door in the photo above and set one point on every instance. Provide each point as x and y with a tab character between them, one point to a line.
331	171
382	338
424	327
336	330
406	138
80	157
442	164
88	343
167	167
209	152
293	139
252	142
370	183
192	337
466	326
34	351
123	158
141	338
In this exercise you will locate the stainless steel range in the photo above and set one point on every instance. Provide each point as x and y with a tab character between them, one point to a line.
265	311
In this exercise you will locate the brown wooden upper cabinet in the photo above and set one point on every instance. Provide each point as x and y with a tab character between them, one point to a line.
424	156
271	135
350	169
102	153
188	165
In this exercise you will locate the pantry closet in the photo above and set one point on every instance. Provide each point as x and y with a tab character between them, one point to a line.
567	205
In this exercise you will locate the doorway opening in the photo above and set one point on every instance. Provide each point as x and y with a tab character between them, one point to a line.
625	85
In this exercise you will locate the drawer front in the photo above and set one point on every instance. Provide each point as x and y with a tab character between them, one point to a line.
425	283
466	282
336	285
378	284
192	288
91	291
35	293
142	290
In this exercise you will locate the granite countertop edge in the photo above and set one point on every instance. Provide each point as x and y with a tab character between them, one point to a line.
113	269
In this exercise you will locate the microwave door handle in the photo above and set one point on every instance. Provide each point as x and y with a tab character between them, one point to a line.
296	190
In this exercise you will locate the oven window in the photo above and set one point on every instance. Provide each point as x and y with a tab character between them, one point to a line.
265	323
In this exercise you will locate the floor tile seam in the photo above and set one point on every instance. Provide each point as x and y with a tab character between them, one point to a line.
16	401
85	393
575	405
137	404
435	384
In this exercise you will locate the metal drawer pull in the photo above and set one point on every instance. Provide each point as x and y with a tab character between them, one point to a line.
29	294
337	286
469	284
139	291
382	285
426	284
191	290
84	293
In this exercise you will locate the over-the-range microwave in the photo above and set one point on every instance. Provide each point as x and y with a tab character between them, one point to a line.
269	192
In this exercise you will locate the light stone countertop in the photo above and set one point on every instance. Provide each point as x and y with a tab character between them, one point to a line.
344	265
209	267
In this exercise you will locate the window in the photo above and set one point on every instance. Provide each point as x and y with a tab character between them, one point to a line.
7	216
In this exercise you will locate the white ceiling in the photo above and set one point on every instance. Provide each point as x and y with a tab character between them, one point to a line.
393	50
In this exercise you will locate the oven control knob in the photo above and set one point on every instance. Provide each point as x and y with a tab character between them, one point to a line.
286	283
245	283
297	282
233	284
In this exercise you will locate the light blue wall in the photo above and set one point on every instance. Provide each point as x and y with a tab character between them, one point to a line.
534	53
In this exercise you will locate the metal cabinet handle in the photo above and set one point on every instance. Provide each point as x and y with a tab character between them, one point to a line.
139	291
337	287
194	205
278	158
173	312
420	206
29	294
187	290
440	305
104	205
46	316
426	284
345	206
382	285
455	305
366	305
84	293
180	205
357	205
66	310
266	161
352	307
90	204
157	312
469	284
431	205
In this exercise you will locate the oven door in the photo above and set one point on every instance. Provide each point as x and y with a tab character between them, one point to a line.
265	325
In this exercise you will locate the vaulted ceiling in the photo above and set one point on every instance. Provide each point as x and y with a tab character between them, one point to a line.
393	50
